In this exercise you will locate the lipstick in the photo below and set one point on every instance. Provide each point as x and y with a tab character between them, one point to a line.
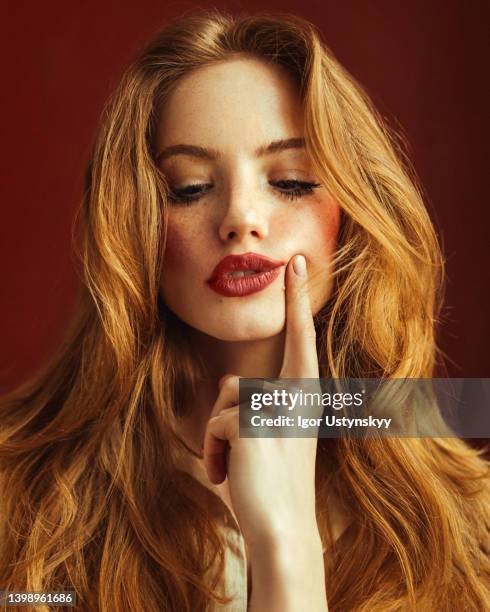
241	275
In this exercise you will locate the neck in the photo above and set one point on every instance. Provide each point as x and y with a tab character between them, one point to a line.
246	358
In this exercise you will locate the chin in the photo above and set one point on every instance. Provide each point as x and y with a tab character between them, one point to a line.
242	329
241	336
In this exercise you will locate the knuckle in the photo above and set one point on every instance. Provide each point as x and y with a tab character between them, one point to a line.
231	381
227	412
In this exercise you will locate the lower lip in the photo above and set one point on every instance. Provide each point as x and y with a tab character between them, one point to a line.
244	285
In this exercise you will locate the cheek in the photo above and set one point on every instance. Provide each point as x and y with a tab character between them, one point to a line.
329	225
320	239
174	247
181	243
317	231
184	260
177	260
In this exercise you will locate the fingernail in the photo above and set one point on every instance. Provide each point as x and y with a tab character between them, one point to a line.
299	265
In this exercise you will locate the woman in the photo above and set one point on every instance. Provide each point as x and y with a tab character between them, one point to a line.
235	145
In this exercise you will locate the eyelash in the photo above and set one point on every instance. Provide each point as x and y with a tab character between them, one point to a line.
301	188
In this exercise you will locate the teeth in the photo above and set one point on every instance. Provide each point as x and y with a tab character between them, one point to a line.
243	273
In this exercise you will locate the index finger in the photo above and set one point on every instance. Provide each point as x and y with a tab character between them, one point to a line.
300	356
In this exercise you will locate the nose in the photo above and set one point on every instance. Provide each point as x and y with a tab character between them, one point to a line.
243	218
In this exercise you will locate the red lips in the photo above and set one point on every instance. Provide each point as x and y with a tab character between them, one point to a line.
223	282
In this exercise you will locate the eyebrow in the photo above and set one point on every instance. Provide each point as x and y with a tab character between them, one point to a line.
211	154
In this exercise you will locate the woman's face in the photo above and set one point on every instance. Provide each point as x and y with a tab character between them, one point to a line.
241	184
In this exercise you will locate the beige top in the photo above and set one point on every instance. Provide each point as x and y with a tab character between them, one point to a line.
236	576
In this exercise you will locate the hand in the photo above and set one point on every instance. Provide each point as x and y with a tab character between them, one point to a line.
271	480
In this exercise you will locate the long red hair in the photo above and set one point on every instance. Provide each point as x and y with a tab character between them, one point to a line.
91	498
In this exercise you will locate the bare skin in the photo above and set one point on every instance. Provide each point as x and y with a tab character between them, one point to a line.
242	204
272	480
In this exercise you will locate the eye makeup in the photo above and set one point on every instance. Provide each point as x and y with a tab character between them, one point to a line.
289	189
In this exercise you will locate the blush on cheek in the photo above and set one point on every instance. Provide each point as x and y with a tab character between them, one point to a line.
283	225
175	247
331	224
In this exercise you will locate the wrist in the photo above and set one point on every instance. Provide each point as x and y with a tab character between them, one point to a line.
288	574
279	546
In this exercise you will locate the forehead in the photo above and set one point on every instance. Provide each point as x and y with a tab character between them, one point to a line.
241	102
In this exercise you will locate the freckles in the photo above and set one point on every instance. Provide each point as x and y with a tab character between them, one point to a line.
329	222
178	247
175	248
331	229
283	225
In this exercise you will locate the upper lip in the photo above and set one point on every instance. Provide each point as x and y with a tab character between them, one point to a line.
246	261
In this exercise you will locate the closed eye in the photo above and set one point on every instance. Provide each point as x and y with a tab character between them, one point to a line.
293	189
188	194
290	189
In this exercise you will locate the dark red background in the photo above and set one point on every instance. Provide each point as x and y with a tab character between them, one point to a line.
424	63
